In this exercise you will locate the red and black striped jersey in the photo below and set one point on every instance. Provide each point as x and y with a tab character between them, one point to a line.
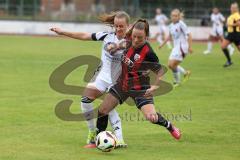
135	67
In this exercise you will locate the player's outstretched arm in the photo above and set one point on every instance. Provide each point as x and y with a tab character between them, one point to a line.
75	35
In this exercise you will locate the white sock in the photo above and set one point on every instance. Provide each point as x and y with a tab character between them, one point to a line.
88	107
230	47
176	76
116	124
181	69
209	46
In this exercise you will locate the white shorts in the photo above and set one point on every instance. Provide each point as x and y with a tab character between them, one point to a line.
217	31
179	52
103	87
100	84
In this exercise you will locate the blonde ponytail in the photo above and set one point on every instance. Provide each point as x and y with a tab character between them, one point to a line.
109	18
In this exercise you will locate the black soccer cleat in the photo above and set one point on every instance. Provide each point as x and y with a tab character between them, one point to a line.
227	64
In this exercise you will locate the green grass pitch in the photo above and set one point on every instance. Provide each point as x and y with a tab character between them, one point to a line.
29	129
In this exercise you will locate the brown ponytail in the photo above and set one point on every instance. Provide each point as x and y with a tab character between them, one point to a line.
109	18
141	24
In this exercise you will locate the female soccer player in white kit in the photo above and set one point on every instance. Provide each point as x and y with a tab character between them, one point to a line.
109	72
217	32
162	21
182	45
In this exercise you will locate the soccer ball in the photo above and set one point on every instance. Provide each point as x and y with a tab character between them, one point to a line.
106	141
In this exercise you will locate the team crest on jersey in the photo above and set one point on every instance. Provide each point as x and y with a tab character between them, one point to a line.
136	57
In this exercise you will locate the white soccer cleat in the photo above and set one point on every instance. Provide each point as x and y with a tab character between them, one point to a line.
175	85
206	52
91	139
121	144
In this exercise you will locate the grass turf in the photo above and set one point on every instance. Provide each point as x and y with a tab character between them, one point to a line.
29	129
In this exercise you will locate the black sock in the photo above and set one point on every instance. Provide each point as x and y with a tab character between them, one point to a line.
163	122
227	55
102	122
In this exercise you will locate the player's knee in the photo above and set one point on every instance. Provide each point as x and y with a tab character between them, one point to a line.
224	45
86	99
170	65
210	38
103	111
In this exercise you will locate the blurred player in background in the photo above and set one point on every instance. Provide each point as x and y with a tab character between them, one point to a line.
233	29
162	20
109	70
182	45
216	34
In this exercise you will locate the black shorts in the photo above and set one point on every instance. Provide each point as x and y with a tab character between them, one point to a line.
121	95
234	38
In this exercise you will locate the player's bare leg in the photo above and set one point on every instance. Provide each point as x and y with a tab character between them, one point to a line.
211	40
173	64
178	70
89	95
229	47
108	104
151	115
209	46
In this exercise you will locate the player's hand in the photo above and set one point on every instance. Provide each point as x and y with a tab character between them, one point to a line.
190	50
149	92
57	30
124	44
111	48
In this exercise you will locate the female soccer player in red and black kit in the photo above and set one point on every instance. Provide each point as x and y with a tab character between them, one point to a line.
134	81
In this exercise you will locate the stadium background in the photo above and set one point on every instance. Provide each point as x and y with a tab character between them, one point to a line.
86	11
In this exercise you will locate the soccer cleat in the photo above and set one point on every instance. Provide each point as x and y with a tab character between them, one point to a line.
91	139
206	52
231	51
175	132
91	145
120	144
175	84
227	64
186	76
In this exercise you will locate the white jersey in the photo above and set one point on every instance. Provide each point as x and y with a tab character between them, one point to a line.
217	20
111	66
179	33
161	19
